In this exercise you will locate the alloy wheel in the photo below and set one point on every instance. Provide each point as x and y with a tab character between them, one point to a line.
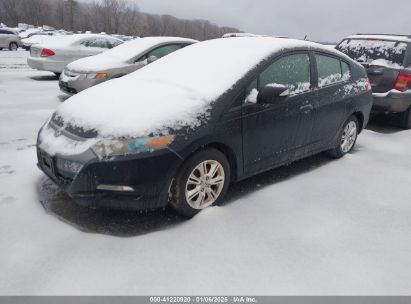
348	137
205	184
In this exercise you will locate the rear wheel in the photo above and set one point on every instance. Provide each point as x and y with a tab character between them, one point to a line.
202	181
405	119
347	138
13	46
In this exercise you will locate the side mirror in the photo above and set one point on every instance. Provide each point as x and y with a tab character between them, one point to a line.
272	93
151	59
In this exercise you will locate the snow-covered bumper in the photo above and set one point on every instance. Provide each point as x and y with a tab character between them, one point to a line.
138	182
45	64
74	84
393	101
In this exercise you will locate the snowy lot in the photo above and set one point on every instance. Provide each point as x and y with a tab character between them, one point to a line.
317	227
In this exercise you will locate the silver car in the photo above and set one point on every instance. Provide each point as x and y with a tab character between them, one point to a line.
9	39
54	55
119	61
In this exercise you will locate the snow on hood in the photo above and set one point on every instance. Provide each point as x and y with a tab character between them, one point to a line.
173	92
120	55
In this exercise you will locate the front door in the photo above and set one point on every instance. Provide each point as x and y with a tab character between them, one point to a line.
272	133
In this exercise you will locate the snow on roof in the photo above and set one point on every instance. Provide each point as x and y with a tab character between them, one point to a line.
70	39
122	53
404	38
175	91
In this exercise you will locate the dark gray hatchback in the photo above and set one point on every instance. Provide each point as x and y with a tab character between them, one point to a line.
387	59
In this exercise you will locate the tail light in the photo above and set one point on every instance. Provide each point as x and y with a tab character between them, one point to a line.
402	82
368	86
46	53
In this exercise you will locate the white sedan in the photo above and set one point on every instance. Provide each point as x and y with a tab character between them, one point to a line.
55	55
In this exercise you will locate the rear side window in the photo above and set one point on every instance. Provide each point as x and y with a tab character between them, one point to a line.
114	43
331	70
372	51
292	71
96	43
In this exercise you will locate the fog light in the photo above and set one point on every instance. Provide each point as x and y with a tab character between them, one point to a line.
115	188
68	165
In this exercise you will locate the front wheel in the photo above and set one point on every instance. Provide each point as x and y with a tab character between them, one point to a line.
13	46
405	118
347	138
202	181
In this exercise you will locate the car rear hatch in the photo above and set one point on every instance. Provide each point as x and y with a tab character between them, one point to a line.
383	59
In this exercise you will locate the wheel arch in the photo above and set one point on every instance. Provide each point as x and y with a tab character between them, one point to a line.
227	151
360	117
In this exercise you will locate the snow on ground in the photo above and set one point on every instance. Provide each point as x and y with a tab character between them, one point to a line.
317	227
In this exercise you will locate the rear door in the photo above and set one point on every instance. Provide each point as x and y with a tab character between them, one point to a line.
383	59
331	111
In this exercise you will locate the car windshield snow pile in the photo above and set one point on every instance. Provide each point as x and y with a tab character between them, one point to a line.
373	51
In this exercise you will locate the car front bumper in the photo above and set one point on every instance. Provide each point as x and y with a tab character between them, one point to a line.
139	182
73	85
391	102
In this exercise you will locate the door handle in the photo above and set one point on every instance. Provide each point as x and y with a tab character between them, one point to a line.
306	109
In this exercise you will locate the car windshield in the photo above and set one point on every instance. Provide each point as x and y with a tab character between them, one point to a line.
369	50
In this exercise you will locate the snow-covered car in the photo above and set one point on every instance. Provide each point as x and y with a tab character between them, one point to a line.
39	38
54	55
9	39
387	59
117	62
183	128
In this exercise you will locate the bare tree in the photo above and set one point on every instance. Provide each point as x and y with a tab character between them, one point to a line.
110	16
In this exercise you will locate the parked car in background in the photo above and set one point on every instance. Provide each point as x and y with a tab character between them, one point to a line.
117	62
387	59
9	39
54	55
183	128
39	38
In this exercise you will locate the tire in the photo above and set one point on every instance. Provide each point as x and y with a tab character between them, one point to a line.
204	192
345	145
1	49
57	74
13	46
405	119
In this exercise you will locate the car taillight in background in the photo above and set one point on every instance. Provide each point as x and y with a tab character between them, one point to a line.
368	86
46	53
403	81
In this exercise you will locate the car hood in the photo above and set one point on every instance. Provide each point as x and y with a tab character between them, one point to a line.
96	64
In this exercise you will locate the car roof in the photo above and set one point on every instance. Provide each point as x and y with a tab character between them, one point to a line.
394	37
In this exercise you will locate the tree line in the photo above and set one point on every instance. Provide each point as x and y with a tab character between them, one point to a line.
110	16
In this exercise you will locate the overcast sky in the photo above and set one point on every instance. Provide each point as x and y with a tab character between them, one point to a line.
325	20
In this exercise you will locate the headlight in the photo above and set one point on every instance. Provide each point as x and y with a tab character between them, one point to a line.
93	76
131	146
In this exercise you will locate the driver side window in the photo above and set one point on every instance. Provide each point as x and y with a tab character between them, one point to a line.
292	71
